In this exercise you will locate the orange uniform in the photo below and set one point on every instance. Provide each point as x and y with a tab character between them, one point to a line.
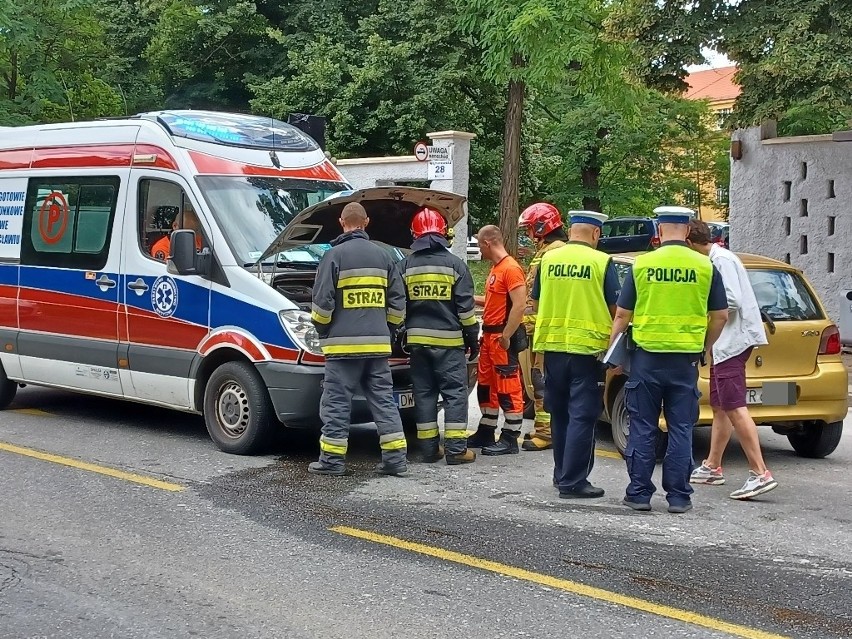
162	248
499	384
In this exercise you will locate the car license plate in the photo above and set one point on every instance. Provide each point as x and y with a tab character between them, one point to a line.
404	399
754	396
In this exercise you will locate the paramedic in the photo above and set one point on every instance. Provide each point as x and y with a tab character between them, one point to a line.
162	248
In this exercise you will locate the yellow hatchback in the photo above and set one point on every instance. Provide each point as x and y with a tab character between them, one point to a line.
803	352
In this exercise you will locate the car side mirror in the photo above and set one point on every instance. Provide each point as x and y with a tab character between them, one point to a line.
184	259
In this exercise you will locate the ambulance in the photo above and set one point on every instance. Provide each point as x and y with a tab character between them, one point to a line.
168	258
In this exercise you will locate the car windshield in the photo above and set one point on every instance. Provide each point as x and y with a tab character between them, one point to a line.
783	296
252	211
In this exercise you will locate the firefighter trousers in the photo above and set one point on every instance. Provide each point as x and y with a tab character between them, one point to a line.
499	385
343	378
440	370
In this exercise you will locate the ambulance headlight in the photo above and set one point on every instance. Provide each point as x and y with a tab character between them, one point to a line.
298	325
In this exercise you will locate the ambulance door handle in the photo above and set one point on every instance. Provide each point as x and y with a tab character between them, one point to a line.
139	286
104	282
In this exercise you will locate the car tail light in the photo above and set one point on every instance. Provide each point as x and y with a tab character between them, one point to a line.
830	342
655	241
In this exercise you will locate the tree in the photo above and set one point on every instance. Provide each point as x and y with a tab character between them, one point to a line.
540	45
790	53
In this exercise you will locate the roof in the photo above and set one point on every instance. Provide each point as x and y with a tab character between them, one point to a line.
713	84
749	260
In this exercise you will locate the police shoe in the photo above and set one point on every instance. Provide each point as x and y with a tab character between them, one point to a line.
396	470
506	445
467	457
585	492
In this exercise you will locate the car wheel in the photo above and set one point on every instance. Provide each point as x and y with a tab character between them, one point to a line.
817	440
8	389
621	427
237	409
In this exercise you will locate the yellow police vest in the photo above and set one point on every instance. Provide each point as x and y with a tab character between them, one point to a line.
672	288
573	316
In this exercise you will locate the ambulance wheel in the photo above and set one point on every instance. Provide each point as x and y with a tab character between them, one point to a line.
237	409
7	389
621	427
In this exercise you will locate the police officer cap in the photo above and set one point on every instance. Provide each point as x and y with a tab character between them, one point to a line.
588	217
674	214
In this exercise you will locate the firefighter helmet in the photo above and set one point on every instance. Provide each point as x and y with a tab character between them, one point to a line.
428	220
542	218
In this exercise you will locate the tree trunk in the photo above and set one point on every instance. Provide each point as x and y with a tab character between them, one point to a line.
13	76
511	166
590	175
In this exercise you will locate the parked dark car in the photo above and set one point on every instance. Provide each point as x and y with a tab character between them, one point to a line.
629	235
720	233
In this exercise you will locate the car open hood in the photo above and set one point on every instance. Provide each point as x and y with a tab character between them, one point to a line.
390	209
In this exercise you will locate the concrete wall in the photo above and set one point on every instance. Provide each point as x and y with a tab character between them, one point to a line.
791	199
364	173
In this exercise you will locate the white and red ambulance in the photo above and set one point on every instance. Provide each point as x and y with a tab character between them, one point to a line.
169	257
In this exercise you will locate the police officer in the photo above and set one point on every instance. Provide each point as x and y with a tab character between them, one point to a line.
543	224
358	307
440	324
668	294
576	288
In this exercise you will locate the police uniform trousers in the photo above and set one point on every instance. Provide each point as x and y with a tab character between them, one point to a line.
343	379
499	385
440	370
574	399
666	380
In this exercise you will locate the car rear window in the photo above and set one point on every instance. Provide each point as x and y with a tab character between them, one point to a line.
783	296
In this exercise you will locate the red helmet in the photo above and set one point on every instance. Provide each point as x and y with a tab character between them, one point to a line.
542	218
428	220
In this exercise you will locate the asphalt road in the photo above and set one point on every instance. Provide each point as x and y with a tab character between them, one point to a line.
180	540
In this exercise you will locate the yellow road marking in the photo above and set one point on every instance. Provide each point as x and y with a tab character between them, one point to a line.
93	468
562	584
32	411
609	454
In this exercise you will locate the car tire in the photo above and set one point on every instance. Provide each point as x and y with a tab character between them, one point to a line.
237	409
8	389
620	423
817	440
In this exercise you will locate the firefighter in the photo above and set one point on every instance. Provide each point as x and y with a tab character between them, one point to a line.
543	224
677	302
358	308
576	288
440	325
499	379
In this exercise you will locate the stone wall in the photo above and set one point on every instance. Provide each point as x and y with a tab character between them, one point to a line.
791	199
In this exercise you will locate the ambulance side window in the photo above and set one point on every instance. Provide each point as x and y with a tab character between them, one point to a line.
163	206
68	222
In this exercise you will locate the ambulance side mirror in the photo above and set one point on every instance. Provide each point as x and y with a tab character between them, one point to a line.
184	258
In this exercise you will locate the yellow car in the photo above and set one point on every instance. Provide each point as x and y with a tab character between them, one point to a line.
803	350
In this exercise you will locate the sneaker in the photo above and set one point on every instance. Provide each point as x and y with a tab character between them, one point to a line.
679	509
755	485
706	475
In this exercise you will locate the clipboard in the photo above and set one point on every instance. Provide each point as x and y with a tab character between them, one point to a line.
620	351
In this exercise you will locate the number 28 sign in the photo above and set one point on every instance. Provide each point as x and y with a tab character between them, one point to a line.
441	163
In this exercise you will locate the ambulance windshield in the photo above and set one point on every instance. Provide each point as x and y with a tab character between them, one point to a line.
252	211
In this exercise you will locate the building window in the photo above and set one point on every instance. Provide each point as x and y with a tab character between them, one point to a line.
803	209
831	262
690	197
723	195
803	245
787	225
804	170
832	224
788	187
722	116
831	189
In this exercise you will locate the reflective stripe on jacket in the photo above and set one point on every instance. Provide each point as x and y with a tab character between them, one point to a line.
439	290
672	289
573	316
357	293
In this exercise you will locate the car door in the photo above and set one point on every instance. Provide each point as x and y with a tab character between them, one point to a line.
166	315
68	300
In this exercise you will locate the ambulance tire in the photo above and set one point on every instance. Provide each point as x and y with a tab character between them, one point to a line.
7	389
237	409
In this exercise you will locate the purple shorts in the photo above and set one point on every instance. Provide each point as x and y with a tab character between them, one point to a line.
728	382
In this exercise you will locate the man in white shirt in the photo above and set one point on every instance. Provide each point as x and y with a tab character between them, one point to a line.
743	332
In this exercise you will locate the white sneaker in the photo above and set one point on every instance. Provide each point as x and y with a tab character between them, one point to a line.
755	485
706	475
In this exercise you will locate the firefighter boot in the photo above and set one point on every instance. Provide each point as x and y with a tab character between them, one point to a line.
484	436
540	438
431	450
506	445
467	457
